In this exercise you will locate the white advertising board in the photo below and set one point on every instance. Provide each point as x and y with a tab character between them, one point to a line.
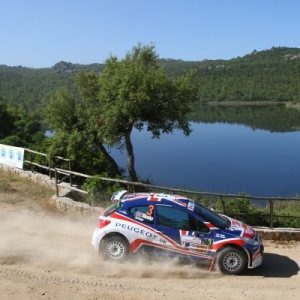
12	156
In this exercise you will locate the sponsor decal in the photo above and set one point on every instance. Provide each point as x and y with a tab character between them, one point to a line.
143	216
137	230
179	202
161	240
247	231
198	248
190	239
221	236
191	205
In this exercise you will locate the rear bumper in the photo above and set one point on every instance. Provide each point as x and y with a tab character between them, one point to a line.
95	243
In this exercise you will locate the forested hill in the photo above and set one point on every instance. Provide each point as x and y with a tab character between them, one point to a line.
269	75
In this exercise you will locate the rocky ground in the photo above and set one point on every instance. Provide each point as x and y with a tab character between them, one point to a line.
48	255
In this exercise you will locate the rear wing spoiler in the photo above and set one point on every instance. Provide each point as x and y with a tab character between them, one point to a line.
118	195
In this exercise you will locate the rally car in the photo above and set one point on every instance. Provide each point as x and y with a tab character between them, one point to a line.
175	225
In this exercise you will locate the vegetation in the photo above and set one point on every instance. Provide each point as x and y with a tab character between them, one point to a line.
286	214
131	93
99	191
269	75
19	128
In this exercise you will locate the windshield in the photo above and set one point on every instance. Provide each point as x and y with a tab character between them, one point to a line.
210	216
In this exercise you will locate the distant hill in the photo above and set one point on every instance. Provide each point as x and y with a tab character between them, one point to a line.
269	75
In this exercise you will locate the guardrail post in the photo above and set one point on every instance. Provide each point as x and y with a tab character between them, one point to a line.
223	205
271	213
49	169
56	182
70	169
31	165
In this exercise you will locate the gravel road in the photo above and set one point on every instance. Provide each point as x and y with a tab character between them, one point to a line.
48	255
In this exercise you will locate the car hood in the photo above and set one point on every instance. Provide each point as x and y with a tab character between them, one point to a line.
241	228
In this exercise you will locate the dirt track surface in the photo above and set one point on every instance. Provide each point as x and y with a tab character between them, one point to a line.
46	255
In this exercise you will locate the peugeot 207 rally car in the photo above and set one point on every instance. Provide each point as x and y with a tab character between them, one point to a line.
175	226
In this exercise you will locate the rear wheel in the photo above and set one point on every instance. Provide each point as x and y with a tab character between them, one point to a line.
232	261
115	248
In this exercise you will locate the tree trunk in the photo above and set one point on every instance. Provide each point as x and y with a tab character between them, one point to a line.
130	157
115	171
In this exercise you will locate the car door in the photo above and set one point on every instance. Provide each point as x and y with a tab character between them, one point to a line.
182	232
143	235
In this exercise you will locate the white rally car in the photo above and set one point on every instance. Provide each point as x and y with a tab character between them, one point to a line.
174	225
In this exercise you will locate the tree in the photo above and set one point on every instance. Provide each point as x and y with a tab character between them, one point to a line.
76	136
6	122
136	92
19	128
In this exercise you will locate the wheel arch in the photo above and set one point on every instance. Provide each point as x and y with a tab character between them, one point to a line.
111	234
232	245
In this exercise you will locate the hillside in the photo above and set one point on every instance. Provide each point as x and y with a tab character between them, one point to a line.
269	75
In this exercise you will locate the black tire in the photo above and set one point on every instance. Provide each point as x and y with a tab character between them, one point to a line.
231	261
114	248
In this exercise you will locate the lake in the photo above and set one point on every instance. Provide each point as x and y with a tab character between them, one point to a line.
253	150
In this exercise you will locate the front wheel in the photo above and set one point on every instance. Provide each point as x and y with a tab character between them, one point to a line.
114	248
231	261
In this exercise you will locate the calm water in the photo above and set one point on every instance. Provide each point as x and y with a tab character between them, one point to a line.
220	157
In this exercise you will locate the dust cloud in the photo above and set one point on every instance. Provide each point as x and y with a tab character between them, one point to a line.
65	242
38	237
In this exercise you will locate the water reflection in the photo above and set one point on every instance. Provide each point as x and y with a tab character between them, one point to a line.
274	118
231	150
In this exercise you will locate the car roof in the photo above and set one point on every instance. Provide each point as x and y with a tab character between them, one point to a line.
127	199
124	196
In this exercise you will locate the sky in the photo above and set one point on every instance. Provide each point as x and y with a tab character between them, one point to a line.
40	33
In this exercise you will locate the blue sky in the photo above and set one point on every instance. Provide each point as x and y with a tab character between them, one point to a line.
40	33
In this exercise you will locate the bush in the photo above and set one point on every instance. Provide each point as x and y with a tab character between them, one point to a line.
100	190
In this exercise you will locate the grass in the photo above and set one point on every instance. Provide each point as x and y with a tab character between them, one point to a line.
11	183
6	180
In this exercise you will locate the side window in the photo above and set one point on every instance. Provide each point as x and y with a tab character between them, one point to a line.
143	213
202	227
178	219
175	218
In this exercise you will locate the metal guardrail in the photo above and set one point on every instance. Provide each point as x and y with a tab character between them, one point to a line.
67	174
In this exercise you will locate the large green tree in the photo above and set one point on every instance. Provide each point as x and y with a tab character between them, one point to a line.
134	92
